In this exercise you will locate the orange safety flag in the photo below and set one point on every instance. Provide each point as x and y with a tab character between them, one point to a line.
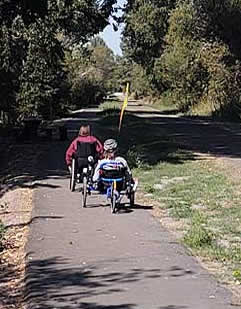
124	105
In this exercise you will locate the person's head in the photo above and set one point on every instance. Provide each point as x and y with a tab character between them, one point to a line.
84	130
110	148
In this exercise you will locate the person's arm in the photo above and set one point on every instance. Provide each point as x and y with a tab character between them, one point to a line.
69	153
99	148
97	172
124	162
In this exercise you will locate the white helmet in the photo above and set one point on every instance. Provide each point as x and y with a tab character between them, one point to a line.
110	145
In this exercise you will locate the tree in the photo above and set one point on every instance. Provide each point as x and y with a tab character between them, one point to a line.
146	23
40	78
198	64
30	67
90	72
12	50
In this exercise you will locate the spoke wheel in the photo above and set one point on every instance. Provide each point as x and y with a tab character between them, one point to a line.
84	191
72	177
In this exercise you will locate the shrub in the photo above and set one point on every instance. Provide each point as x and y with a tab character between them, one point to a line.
134	159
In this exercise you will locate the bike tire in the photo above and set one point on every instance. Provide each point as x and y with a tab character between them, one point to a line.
72	177
132	199
113	204
84	191
113	198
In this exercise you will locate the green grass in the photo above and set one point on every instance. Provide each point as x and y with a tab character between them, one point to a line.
205	198
110	105
204	202
198	236
237	274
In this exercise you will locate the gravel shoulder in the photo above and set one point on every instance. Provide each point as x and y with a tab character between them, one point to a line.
19	167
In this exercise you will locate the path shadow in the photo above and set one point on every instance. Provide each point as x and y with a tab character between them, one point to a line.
172	307
174	139
138	206
149	138
34	219
51	283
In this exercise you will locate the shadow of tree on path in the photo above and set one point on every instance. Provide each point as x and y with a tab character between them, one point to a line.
51	283
173	307
155	137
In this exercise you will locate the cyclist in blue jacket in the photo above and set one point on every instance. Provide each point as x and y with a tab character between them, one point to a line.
110	159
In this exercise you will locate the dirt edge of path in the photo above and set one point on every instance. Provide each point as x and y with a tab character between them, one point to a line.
16	216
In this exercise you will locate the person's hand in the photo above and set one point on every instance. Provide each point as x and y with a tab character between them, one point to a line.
95	185
69	168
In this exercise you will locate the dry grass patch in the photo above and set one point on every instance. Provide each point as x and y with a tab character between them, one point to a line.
15	214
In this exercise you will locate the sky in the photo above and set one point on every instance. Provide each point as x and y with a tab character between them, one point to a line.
112	38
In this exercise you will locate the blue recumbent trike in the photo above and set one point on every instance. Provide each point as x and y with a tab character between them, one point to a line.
114	180
116	183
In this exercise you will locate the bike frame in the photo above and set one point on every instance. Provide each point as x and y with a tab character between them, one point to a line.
112	186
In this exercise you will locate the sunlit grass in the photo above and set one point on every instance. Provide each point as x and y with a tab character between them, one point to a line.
187	187
205	198
110	105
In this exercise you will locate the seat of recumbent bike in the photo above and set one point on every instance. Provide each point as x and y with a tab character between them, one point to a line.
110	171
84	150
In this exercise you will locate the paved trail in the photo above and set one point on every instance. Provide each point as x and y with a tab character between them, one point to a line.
90	259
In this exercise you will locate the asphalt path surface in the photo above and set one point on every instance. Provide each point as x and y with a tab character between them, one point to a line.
89	258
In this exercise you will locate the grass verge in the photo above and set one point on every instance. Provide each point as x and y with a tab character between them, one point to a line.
199	202
110	108
205	202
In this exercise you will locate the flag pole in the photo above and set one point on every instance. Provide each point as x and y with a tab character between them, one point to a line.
125	103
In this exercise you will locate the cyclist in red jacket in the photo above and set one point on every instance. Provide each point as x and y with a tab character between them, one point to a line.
84	137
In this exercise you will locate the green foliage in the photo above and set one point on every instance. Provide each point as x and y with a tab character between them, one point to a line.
149	189
223	88
12	50
189	50
111	105
146	24
141	83
198	236
181	69
89	72
34	37
134	158
145	28
39	80
237	274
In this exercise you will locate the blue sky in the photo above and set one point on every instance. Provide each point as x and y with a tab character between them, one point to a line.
111	37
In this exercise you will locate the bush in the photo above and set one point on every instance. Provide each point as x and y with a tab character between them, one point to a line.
134	159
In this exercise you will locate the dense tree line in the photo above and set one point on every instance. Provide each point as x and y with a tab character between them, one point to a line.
39	40
187	52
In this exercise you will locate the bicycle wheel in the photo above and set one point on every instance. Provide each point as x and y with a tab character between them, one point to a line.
113	198
132	199
113	204
84	191
72	176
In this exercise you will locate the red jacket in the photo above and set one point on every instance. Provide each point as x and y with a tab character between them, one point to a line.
85	139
